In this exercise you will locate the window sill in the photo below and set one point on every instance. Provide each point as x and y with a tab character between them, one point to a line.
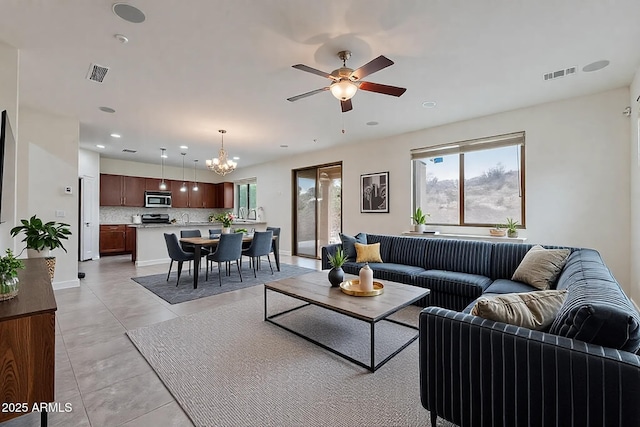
439	235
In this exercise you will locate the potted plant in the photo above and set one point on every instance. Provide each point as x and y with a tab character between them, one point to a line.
226	219
498	231
512	227
9	266
41	238
420	219
337	260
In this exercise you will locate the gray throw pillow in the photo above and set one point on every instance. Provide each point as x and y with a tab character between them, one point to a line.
533	310
540	267
348	244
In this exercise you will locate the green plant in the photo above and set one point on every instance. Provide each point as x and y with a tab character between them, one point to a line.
9	265
419	217
511	225
241	230
40	235
338	258
225	218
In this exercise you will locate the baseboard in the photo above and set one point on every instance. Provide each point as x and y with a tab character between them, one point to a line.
75	283
287	253
152	262
635	305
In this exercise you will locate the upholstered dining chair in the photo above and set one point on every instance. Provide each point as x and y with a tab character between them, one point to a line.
214	232
229	249
176	254
187	247
260	246
274	242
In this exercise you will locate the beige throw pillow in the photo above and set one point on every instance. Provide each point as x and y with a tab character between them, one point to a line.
368	253
534	310
540	267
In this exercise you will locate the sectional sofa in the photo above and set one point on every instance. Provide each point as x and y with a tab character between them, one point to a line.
581	371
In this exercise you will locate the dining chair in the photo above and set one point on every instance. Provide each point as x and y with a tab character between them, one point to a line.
276	232
188	247
229	249
176	254
215	232
260	246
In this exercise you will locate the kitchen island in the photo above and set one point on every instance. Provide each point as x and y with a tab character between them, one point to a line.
151	248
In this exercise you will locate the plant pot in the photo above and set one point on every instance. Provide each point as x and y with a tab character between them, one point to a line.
33	253
512	233
420	228
226	230
8	288
336	276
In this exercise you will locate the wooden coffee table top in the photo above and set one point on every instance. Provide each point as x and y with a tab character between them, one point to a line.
316	289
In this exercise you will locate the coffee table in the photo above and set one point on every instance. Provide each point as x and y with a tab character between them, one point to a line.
314	289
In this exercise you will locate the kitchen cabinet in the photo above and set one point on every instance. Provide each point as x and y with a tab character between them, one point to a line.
179	199
153	184
119	190
130	242
195	197
112	239
224	195
208	195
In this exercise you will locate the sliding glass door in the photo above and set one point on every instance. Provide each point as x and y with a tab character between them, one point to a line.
317	208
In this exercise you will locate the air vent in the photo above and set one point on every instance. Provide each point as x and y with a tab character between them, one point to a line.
97	73
128	150
560	73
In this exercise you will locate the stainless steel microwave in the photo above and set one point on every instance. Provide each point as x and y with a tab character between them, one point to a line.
157	199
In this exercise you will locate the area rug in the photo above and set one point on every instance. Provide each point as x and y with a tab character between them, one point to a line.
228	367
168	291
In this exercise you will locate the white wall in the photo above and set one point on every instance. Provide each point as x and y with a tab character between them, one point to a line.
89	167
577	175
635	187
48	161
9	65
129	168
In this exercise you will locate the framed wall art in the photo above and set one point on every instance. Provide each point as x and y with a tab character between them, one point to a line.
374	192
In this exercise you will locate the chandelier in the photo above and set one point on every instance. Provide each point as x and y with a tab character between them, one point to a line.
222	165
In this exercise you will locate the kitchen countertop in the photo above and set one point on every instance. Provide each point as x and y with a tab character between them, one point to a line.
238	224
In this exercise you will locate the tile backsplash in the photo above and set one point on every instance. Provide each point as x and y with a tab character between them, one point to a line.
123	214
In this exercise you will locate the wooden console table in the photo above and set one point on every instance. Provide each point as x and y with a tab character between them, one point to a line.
27	343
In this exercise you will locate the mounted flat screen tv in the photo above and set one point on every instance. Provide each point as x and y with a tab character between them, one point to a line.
6	141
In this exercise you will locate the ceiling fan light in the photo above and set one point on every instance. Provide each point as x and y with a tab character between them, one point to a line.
343	89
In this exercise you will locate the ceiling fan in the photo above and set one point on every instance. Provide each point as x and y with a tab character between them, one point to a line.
345	82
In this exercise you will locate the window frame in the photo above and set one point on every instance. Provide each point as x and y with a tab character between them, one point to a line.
247	183
460	148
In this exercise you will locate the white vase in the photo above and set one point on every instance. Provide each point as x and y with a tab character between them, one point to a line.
366	278
33	253
420	228
226	230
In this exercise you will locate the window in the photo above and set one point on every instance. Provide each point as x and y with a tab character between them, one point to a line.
477	183
246	192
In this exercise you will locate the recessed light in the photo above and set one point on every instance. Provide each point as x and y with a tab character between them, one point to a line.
283	146
128	13
429	104
121	38
115	135
236	158
107	110
184	147
372	123
595	66
100	146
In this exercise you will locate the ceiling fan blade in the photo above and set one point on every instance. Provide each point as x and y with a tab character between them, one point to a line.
304	95
308	69
371	67
384	89
346	105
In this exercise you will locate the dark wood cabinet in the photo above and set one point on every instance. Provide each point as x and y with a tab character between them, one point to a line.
119	190
208	195
130	242
195	197
112	239
224	195
179	199
153	184
27	347
110	190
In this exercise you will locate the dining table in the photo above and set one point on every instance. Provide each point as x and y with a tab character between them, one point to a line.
206	242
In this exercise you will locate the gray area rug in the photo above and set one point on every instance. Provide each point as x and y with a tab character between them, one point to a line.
228	367
167	290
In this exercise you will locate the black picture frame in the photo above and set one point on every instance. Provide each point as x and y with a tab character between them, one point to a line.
374	192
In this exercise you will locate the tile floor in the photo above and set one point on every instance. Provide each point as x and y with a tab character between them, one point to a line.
98	370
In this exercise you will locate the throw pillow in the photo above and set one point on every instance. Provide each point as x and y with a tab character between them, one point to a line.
540	267
368	253
532	310
348	244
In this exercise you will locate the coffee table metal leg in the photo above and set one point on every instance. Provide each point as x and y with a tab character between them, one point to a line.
373	346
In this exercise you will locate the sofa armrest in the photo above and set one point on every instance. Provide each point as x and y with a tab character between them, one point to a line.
474	371
326	251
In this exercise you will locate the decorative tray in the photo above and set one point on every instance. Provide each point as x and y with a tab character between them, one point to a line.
352	287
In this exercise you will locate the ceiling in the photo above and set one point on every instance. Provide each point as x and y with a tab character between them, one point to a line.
196	66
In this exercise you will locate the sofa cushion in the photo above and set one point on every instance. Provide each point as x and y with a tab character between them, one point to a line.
462	256
452	282
348	244
596	309
540	267
368	253
395	272
504	286
386	244
533	310
409	251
